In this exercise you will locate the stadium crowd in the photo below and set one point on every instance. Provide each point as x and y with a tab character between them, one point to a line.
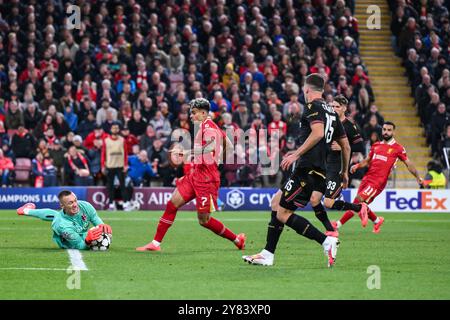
421	36
140	62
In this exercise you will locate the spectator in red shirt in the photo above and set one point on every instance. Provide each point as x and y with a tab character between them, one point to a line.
352	21
6	166
130	139
98	133
48	64
320	65
86	90
278	124
29	72
268	63
359	74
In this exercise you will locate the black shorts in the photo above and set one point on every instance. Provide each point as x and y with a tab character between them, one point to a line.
334	185
298	189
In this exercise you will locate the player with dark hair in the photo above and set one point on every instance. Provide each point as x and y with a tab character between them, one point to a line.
114	163
70	225
319	127
334	168
202	183
382	158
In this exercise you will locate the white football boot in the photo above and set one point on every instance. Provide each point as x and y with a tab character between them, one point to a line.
330	246
264	258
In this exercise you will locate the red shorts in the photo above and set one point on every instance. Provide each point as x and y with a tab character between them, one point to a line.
205	193
368	191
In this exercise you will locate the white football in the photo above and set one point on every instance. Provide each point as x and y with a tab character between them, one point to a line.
102	244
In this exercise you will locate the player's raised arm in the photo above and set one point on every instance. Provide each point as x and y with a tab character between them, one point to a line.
364	163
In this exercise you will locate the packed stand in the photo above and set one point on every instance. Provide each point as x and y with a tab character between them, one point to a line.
421	37
141	62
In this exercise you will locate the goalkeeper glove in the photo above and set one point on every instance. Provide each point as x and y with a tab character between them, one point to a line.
93	234
106	228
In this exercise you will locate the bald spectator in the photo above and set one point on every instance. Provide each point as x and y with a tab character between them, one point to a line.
31	116
14	117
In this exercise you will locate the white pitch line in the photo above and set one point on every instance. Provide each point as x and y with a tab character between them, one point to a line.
35	269
76	259
21	229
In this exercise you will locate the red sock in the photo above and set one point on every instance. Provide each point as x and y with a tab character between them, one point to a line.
372	216
348	214
165	221
218	228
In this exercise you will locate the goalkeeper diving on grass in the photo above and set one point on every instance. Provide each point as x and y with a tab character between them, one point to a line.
70	225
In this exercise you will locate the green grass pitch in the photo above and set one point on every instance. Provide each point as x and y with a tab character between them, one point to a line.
411	252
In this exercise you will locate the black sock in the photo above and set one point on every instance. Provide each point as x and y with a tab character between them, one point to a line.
274	231
342	205
305	228
321	214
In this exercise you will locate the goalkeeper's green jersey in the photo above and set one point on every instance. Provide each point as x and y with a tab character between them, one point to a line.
69	232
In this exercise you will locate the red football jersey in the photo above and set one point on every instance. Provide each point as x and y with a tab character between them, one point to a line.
383	156
205	166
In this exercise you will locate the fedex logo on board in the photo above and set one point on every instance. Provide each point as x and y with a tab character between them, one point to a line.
423	201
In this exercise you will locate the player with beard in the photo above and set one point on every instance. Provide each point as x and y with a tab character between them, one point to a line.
382	158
